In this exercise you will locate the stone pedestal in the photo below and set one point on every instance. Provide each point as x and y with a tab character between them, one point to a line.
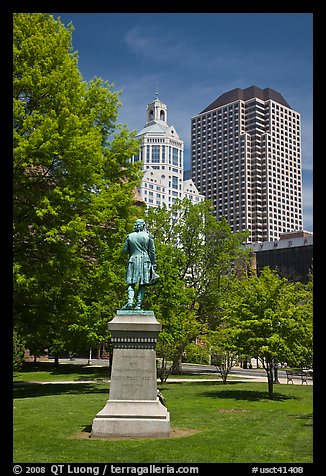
133	408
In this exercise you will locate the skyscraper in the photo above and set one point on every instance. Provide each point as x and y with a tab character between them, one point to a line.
246	158
161	153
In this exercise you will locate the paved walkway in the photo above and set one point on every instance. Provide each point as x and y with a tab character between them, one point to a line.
239	377
194	372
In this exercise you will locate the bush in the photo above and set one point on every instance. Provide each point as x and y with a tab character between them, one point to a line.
196	354
18	351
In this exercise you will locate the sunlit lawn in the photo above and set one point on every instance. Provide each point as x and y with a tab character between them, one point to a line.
210	422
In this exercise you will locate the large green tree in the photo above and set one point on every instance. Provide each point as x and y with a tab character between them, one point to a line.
73	190
172	301
270	318
197	258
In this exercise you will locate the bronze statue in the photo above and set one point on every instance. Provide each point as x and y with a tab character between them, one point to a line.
141	267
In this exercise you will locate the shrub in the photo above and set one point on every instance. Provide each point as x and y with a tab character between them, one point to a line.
18	351
196	354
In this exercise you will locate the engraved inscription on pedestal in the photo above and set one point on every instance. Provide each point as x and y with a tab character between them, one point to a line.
133	375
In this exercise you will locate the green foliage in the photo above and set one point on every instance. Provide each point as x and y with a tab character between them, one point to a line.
196	260
224	353
207	253
196	354
270	318
275	318
171	301
73	190
18	351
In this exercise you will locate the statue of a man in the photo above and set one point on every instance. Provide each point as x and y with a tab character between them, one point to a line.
141	266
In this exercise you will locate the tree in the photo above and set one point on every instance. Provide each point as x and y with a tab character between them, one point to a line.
224	353
172	302
73	190
197	257
271	318
18	351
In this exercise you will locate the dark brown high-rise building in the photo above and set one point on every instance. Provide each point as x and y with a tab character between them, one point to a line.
246	158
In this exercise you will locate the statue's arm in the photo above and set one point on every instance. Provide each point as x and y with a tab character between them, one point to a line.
126	245
151	252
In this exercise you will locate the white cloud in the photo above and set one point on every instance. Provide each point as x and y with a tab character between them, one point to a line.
157	45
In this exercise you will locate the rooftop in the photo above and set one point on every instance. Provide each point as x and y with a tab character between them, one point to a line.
246	94
153	128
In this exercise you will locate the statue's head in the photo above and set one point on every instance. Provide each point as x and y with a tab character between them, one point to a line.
139	225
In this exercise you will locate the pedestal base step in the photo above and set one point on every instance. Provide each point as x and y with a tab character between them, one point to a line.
132	418
130	428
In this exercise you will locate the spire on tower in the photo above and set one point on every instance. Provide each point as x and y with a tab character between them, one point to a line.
157	110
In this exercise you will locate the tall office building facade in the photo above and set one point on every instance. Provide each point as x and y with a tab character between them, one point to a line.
246	158
161	154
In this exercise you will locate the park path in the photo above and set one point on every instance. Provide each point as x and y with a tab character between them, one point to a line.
238	376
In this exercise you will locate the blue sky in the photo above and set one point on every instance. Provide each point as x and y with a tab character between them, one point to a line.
192	58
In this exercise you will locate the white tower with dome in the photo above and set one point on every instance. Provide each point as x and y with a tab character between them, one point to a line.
161	153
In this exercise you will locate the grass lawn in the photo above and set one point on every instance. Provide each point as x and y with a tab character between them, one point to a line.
210	422
46	371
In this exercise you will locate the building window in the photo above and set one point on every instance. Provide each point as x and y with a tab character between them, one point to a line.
163	154
156	153
175	156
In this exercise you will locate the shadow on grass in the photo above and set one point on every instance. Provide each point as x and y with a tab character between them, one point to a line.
87	429
230	390
250	395
28	390
166	386
308	419
65	369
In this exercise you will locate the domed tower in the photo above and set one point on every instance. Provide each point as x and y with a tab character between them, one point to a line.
161	154
157	111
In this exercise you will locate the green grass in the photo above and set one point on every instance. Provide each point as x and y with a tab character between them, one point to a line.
47	372
235	422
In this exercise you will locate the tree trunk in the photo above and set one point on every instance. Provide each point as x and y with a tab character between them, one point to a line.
56	361
270	382
176	362
163	371
176	365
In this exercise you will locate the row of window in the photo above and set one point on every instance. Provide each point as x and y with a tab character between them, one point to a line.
275	224
229	136
244	123
160	140
268	106
154	139
174	193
